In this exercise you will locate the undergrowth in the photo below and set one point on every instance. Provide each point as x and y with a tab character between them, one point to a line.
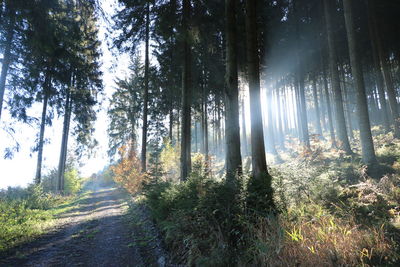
331	211
27	213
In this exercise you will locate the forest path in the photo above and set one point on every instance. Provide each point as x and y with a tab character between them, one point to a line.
95	233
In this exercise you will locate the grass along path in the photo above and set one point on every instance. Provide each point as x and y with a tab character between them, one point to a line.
91	230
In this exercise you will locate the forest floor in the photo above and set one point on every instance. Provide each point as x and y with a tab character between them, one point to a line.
98	231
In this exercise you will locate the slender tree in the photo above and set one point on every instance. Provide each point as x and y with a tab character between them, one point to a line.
186	93
367	145
232	129
7	51
146	88
335	81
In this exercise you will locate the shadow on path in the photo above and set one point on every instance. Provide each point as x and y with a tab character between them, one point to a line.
94	234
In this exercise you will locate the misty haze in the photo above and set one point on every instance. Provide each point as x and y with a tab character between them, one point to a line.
199	133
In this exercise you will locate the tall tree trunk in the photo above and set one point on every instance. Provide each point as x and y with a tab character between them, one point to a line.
205	117
296	109
6	57
305	136
346	104
340	119
385	70
171	124
280	134
186	95
367	145
299	111
64	143
219	117
322	106
328	104
377	70
146	89
46	92
284	110
316	105
259	163
271	124
232	130
245	144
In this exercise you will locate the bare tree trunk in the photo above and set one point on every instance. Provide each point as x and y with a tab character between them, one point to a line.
186	164
340	119
280	134
316	104
346	104
271	124
64	143
232	130
377	70
385	71
259	163
146	89
46	93
322	106
171	123
6	57
367	145
328	104
245	144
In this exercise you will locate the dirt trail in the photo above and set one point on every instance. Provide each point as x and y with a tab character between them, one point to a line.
96	233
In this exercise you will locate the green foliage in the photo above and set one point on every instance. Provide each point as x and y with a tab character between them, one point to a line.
260	194
331	212
201	219
169	158
72	182
25	213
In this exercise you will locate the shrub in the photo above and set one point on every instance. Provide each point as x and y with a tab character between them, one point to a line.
127	172
169	158
200	219
72	182
260	194
22	213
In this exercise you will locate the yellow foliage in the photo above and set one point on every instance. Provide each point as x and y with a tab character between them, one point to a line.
128	171
169	158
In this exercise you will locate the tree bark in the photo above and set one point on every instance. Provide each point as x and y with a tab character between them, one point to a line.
387	77
367	145
346	104
46	93
316	105
6	57
340	119
328	104
377	70
146	89
186	95
64	143
232	130
259	163
245	144
171	124
280	135
271	124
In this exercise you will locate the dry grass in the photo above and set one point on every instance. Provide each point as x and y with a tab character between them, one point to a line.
320	241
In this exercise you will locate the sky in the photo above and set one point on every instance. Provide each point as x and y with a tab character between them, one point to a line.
20	170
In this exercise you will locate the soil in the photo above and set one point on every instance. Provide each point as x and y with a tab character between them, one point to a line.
95	233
